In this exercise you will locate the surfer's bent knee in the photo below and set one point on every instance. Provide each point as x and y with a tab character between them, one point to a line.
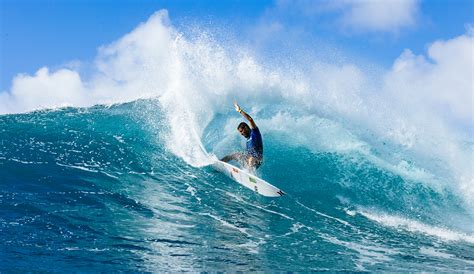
254	162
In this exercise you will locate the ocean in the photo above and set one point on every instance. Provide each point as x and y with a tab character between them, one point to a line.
98	189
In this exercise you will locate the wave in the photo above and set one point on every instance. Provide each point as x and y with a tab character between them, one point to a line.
108	173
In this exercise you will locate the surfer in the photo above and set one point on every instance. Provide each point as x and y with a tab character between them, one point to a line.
253	157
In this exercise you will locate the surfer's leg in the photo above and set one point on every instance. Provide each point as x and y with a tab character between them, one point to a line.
234	156
253	162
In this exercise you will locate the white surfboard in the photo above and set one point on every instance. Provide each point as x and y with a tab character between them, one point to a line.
248	180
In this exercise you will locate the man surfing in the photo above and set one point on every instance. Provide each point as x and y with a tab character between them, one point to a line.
253	157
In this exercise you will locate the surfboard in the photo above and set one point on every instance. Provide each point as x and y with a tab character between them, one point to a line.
248	180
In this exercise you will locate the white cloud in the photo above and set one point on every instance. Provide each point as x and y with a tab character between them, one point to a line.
61	88
442	80
135	66
377	15
356	15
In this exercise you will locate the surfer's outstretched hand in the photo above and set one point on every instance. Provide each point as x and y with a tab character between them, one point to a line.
237	107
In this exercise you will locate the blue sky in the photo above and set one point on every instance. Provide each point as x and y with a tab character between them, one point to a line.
36	33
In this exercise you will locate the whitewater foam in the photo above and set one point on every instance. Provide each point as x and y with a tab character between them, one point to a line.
418	227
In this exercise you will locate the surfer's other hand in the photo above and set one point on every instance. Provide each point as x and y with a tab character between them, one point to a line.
237	107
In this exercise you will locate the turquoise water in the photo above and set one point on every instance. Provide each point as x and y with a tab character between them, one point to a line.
110	188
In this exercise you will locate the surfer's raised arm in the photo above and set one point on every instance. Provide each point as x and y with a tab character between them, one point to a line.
245	114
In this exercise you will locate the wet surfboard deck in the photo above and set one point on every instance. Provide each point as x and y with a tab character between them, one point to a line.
248	180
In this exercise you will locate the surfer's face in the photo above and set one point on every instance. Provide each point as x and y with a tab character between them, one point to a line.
244	131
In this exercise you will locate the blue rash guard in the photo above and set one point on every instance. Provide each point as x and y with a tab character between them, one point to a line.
255	144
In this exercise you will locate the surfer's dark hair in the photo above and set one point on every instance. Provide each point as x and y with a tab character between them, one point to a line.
242	125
